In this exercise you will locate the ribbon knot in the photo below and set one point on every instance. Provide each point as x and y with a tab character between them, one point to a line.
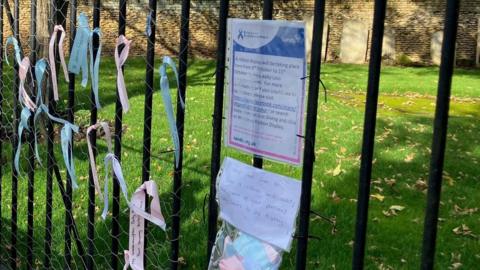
136	241
120	61
109	159
83	44
51	57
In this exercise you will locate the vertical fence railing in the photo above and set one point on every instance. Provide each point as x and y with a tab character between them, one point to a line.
93	141
267	14
50	171
217	123
440	126
71	84
1	117
310	130
31	138
149	79
369	134
14	203
122	15
177	177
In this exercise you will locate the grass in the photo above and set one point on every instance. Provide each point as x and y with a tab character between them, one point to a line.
400	172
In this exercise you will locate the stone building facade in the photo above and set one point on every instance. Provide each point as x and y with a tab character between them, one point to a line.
413	27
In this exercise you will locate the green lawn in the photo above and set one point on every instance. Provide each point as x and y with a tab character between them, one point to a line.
404	133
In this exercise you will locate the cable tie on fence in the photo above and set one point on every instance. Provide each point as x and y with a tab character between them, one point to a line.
329	220
167	100
301	136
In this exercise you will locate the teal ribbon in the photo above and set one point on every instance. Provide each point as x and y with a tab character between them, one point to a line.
66	133
117	170
40	68
66	136
167	101
12	40
83	44
66	140
95	66
25	115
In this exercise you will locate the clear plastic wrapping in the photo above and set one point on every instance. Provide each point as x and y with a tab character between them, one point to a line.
236	250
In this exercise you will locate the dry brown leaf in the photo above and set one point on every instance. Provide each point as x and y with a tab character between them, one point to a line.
409	157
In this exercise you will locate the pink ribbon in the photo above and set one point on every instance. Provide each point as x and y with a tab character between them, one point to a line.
108	138
119	61
23	69
136	241
51	57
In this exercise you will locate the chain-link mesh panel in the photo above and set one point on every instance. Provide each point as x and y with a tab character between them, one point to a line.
55	227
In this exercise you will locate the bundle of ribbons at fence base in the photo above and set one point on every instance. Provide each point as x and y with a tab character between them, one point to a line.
167	101
83	44
120	61
109	159
135	253
51	57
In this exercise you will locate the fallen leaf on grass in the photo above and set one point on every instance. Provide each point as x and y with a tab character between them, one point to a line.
338	170
456	265
464	230
378	196
458	211
409	157
335	197
421	185
393	210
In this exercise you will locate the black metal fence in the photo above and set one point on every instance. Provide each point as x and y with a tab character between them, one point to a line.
81	250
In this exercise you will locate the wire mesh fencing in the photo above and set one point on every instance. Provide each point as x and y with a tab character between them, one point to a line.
46	222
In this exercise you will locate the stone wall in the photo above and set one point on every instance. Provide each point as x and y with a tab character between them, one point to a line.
410	26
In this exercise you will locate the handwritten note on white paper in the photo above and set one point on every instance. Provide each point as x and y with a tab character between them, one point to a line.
257	202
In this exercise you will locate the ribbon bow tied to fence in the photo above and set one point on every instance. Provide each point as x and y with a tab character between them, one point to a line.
136	242
167	101
109	159
51	57
83	44
120	61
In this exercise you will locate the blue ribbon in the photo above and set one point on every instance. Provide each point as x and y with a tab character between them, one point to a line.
40	68
94	67
66	135
117	170
25	115
78	57
167	101
12	40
